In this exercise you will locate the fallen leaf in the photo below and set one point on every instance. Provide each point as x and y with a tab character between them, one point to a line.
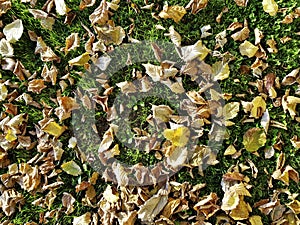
3	92
174	36
84	219
179	136
255	220
72	42
196	5
53	128
71	168
220	71
6	49
197	50
153	206
254	138
231	110
172	12
13	31
80	60
270	6
242	3
61	7
259	107
248	49
241	212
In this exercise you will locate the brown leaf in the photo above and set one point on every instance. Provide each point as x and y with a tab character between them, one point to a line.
196	5
36	86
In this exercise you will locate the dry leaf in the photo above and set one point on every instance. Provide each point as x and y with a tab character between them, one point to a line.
110	34
3	92
248	49
255	220
254	138
197	50
162	113
230	150
71	168
53	128
294	206
179	136
241	212
220	71
80	60
242	3
153	206
172	12
6	49
270	6
174	36
292	77
259	107
289	103
231	110
84	219
272	45
61	7
72	42
13	31
196	5
241	35
36	85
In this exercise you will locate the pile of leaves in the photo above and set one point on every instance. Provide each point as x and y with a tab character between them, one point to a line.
48	47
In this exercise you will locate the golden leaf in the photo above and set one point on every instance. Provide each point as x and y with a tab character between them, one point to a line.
254	138
53	128
270	6
61	7
71	168
72	42
179	136
259	107
255	220
248	49
241	212
80	60
172	12
11	136
294	206
230	150
197	50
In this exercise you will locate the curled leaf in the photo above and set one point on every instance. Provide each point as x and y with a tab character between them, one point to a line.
5	48
80	60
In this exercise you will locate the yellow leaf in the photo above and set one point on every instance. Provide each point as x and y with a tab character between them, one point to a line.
259	107
295	206
270	6
255	220
54	129
3	92
241	212
80	60
179	137
71	168
172	12
231	110
230	150
11	136
254	138
220	71
248	49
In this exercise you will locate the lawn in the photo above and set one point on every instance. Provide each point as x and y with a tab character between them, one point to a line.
149	112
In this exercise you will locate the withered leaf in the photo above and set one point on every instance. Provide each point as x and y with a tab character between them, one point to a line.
5	48
3	92
153	206
196	5
259	107
84	219
179	136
